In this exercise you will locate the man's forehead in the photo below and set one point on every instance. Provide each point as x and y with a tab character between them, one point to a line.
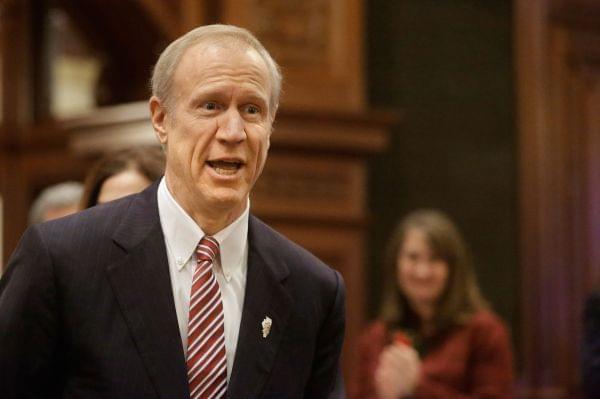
202	58
220	51
203	61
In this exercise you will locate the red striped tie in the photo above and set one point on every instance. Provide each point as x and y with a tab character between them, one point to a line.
206	360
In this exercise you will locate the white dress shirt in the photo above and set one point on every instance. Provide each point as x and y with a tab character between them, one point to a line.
182	236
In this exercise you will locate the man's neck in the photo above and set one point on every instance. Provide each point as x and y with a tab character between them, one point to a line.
214	223
210	220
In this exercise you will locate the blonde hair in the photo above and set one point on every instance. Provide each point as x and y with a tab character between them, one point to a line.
461	297
162	75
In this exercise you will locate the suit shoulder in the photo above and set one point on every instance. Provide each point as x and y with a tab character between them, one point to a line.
376	331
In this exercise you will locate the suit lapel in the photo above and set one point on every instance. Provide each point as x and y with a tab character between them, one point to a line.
265	296
142	285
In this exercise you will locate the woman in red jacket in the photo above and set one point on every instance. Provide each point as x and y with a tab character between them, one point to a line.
436	337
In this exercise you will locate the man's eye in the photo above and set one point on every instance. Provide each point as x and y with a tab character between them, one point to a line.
252	109
210	106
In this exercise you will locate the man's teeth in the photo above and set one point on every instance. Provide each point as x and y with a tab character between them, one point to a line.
225	171
224	167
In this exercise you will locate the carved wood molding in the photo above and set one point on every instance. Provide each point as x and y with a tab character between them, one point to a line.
311	187
318	43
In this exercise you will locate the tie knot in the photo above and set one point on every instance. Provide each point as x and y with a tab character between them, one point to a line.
207	249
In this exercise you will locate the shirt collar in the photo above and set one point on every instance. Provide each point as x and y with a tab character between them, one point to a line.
182	234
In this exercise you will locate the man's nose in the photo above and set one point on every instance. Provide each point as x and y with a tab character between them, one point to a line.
231	126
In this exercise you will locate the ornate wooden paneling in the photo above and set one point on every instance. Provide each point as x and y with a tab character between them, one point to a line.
311	186
318	43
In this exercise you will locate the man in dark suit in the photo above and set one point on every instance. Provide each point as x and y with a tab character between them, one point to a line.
178	291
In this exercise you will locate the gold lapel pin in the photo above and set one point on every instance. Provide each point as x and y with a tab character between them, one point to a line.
266	326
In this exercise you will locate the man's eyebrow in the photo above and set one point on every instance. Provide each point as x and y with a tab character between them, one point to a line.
205	93
257	97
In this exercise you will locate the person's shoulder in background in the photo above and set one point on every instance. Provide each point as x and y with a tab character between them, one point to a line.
591	346
487	319
491	333
376	331
371	342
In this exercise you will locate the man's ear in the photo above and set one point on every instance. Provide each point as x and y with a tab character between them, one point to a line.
158	116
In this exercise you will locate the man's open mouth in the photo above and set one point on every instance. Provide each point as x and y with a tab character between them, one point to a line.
225	167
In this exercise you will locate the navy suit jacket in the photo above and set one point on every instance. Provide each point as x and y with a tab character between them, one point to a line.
87	311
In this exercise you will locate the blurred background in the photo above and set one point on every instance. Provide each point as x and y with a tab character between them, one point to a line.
487	110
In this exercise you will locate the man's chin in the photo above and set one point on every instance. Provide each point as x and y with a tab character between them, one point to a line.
228	199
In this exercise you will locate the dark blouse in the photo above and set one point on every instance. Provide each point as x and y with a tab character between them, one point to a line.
471	361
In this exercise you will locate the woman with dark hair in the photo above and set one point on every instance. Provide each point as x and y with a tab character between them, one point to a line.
436	337
121	173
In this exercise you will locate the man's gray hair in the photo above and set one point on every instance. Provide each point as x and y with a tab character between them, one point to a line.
162	75
57	196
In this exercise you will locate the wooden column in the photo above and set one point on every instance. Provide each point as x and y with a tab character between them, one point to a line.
33	152
558	54
17	112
